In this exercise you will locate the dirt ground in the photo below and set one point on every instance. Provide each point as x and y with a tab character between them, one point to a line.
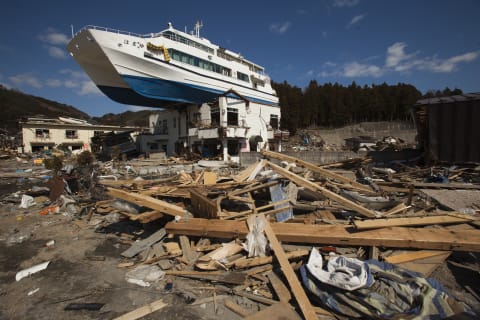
84	269
73	277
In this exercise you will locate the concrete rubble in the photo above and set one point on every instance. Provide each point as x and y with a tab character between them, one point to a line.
203	239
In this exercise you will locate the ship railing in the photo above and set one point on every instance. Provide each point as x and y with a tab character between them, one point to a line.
128	33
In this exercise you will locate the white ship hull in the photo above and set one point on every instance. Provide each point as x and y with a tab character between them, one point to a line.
127	69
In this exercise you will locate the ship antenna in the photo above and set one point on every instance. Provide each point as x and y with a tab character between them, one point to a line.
198	26
72	29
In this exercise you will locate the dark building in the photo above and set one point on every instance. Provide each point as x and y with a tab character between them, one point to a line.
449	128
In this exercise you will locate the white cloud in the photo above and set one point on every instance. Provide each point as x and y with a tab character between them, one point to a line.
355	69
88	87
355	20
280	29
56	52
51	36
345	3
73	73
139	108
26	79
54	83
397	60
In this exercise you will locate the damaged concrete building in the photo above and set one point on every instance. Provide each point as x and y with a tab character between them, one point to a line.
221	129
41	134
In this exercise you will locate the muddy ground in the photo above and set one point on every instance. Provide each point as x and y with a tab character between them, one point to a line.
73	276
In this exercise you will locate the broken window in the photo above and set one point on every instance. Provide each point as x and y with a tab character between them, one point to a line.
274	121
232	116
42	133
215	116
233	147
71	134
164	127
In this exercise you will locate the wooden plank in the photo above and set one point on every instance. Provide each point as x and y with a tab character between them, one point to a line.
143	311
142	245
149	202
408	222
396	237
203	207
236	308
229	277
144	217
327	193
426	266
312	167
209	178
292	279
412	256
279	287
258	261
277	311
188	254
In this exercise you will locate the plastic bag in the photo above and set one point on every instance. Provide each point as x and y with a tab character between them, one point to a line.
143	275
256	242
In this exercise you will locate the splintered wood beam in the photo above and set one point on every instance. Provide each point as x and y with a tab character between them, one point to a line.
327	193
409	222
143	311
312	167
395	237
292	279
149	202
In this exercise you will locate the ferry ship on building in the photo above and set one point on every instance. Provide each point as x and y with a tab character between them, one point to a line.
166	69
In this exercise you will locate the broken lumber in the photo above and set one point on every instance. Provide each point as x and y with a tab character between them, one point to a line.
149	202
292	279
395	237
327	193
258	261
412	256
277	311
279	287
409	222
142	245
236	308
312	167
143	311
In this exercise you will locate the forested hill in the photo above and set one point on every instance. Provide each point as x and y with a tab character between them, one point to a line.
15	105
334	105
127	118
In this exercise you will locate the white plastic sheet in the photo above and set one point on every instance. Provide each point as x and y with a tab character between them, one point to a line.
345	273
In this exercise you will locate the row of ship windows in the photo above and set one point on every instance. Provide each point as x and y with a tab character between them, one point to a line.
207	65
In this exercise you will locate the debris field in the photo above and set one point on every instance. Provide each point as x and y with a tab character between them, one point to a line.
282	238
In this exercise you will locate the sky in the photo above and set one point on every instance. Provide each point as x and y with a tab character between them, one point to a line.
431	44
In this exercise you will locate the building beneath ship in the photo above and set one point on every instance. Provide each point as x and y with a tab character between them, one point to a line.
221	129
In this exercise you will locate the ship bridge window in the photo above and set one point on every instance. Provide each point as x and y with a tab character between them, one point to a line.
194	61
242	76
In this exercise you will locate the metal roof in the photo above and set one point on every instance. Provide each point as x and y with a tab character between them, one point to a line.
450	99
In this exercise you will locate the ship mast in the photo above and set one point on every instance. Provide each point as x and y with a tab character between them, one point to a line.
198	26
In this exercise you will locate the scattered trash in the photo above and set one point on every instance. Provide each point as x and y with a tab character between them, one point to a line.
84	306
27	272
32	292
144	275
27	202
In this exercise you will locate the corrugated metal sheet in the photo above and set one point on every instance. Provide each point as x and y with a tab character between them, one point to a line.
452	131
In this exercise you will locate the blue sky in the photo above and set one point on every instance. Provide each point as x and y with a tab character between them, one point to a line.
431	44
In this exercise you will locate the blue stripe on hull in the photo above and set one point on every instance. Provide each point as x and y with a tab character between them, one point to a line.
171	91
128	96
